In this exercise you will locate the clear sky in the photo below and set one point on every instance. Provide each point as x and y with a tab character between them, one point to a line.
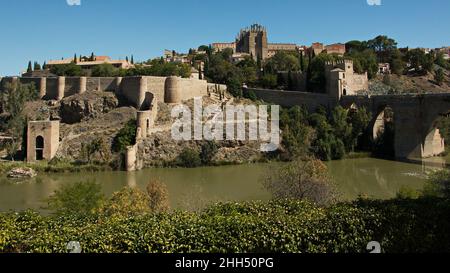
39	30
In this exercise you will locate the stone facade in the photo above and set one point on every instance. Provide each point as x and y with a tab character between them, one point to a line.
42	140
254	42
341	80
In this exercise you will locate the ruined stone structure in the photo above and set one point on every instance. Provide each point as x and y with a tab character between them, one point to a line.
42	140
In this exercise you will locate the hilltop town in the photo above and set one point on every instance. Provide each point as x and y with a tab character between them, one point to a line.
117	112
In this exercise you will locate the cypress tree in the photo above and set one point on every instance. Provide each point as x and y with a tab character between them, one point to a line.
75	59
126	58
37	66
302	62
92	57
30	67
44	66
132	59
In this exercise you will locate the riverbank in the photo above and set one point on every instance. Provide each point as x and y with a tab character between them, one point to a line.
59	167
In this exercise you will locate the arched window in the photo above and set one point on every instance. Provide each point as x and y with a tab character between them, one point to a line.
345	92
39	148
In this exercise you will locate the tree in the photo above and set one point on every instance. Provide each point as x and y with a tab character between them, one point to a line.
125	137
92	58
75	59
128	202
439	76
438	185
281	62
355	46
342	129
396	62
208	151
303	180
30	68
104	70
13	100
37	66
70	70
359	121
382	45
189	158
132	59
364	61
82	198
158	196
296	132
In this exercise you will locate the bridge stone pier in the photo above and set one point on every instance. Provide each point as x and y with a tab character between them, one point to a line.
415	118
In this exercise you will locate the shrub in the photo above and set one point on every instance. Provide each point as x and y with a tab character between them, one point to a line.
189	158
438	185
158	196
303	180
81	198
125	137
208	152
126	203
401	226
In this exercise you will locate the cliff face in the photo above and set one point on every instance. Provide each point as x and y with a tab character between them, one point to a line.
86	106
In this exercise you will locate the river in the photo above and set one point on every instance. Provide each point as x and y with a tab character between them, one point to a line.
194	188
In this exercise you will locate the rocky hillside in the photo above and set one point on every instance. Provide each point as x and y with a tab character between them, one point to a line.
394	84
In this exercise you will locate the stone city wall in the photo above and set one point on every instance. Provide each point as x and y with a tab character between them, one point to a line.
293	98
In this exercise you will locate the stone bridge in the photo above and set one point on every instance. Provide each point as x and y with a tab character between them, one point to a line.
415	119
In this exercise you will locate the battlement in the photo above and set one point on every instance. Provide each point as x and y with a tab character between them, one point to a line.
346	65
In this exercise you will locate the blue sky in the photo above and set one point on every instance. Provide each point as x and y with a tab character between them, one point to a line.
39	30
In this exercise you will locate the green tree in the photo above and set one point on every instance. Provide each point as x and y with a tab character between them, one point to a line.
37	66
189	158
365	61
125	137
30	68
438	185
439	76
104	70
342	129
70	70
208	151
398	65
82	198
13	100
382	45
127	202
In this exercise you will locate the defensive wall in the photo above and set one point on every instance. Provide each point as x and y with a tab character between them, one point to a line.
139	91
294	98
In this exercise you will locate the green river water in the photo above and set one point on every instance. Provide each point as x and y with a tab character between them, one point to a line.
194	188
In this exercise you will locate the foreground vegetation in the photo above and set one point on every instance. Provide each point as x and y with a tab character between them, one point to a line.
136	221
280	226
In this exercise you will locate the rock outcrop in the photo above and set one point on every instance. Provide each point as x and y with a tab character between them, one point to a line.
77	108
18	173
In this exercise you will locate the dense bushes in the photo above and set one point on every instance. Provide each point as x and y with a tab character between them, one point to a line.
283	226
325	135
